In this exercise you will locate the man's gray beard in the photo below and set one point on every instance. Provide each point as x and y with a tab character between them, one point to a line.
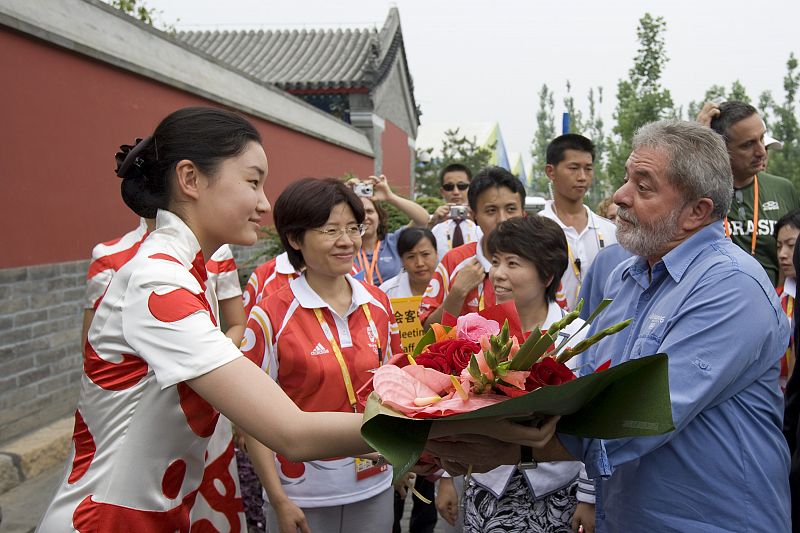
646	240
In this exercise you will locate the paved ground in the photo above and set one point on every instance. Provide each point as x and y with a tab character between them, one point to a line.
24	505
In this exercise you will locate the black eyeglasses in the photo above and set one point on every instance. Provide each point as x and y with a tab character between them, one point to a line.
462	186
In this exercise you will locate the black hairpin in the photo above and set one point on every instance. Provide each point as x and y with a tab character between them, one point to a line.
129	162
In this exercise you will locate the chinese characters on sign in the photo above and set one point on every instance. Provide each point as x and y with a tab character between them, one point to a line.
405	313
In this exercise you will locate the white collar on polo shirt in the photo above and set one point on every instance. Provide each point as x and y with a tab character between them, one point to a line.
482	258
550	212
282	264
790	287
309	299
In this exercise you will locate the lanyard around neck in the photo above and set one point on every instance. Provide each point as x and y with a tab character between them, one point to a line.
755	218
789	354
576	269
337	352
372	268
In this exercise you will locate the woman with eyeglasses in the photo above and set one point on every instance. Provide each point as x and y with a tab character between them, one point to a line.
378	257
319	338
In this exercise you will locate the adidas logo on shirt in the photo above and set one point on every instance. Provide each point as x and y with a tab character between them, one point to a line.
474	302
319	349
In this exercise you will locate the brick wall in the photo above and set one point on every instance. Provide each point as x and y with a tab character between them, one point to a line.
41	312
40	358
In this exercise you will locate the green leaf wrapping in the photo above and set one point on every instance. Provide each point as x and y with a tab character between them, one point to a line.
626	400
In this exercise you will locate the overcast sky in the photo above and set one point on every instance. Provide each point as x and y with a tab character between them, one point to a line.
479	61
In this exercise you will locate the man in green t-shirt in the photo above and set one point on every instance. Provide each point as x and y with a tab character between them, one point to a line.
744	131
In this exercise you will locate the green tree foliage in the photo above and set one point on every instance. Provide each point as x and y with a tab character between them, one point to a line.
594	129
456	148
396	219
640	97
140	10
545	132
736	92
576	124
784	125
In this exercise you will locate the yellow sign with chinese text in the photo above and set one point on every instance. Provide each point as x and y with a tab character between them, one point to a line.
405	313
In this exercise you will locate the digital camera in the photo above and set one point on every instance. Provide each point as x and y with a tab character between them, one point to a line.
458	212
363	189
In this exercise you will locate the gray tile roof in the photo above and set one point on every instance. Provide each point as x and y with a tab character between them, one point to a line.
306	60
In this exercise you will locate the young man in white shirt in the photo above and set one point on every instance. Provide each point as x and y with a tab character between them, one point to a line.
453	227
570	168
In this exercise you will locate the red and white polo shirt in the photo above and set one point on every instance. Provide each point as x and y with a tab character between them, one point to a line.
266	279
445	274
285	337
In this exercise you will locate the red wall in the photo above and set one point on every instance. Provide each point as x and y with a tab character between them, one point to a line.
397	159
64	116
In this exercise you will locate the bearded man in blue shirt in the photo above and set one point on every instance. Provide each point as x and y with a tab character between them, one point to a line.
699	298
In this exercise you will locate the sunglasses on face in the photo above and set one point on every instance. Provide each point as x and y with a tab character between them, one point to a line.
450	186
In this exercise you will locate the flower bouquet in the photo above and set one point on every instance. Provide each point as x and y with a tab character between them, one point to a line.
478	369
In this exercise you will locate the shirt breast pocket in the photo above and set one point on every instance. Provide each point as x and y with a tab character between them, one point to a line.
645	344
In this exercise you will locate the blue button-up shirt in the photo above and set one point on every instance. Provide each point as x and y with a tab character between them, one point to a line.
389	263
712	309
599	274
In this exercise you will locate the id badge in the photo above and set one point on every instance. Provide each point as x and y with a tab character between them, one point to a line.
366	468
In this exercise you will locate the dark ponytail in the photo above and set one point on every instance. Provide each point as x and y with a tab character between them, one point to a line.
203	135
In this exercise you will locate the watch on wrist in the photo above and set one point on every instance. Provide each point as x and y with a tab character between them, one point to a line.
526	460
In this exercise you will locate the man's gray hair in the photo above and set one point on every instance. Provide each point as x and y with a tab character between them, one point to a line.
698	162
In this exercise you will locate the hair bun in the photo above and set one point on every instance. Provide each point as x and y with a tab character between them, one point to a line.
130	161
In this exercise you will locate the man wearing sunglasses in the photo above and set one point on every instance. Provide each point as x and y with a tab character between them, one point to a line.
452	223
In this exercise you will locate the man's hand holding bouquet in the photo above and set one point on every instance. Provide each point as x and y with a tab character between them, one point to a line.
480	369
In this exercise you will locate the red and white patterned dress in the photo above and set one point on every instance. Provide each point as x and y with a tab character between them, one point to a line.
141	434
107	258
266	279
223	276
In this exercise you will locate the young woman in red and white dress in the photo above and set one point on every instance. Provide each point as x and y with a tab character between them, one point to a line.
787	230
319	338
221	507
223	277
157	368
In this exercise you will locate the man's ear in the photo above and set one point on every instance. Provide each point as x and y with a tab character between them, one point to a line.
698	215
187	179
549	171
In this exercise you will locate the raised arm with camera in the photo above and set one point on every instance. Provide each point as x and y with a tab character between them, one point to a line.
378	256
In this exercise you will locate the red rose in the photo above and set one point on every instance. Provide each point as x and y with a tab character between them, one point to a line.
548	371
456	352
435	361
